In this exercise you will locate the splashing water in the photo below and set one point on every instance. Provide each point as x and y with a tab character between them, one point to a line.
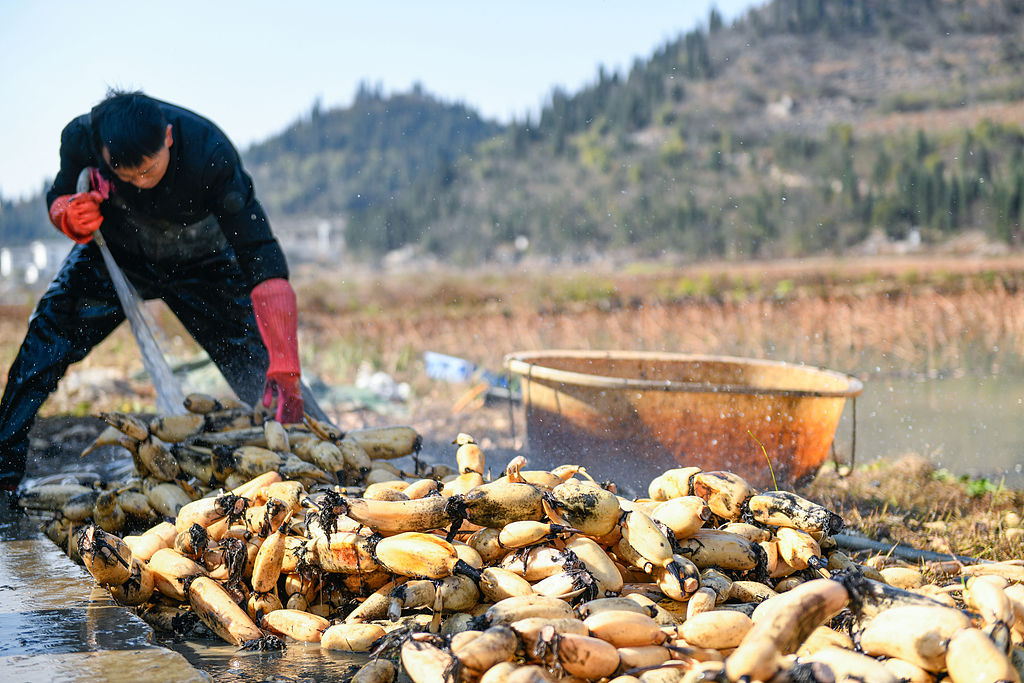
170	398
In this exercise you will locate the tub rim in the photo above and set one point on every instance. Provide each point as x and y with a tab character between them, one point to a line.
529	364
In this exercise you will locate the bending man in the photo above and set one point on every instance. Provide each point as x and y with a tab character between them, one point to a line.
180	217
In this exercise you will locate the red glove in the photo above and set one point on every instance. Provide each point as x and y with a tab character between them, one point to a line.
78	215
273	302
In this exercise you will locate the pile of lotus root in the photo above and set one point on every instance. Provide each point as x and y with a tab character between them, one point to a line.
268	534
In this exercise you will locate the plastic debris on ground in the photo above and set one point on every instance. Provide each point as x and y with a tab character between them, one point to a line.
486	386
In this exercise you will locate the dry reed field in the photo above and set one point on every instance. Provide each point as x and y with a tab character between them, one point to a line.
883	317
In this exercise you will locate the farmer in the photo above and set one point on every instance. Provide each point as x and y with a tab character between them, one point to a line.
180	217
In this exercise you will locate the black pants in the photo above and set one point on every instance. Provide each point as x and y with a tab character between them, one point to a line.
80	308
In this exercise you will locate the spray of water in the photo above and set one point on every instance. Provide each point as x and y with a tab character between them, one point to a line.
169	396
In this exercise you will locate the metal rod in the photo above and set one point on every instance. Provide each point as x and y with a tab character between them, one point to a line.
903	552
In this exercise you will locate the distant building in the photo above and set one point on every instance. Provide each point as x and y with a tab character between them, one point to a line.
30	267
39	255
315	239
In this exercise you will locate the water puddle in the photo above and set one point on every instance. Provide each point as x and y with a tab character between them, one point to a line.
298	662
60	631
970	425
56	625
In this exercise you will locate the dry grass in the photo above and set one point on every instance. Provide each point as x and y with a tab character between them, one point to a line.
911	318
943	119
909	502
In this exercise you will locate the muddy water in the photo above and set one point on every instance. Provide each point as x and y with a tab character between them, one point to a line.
298	662
971	425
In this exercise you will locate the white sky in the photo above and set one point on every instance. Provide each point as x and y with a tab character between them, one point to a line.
255	66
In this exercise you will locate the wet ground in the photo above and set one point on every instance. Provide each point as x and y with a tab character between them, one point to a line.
57	625
53	619
298	663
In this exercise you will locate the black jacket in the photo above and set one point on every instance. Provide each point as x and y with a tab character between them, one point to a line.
203	207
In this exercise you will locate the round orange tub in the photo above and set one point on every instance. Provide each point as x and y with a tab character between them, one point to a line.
629	415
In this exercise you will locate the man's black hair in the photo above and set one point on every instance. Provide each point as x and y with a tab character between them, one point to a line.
130	125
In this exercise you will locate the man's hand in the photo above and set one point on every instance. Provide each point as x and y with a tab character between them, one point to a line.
273	303
78	215
284	386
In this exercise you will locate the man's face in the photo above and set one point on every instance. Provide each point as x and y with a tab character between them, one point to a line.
152	169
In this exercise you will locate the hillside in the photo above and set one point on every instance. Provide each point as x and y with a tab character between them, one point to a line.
803	128
343	160
807	126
